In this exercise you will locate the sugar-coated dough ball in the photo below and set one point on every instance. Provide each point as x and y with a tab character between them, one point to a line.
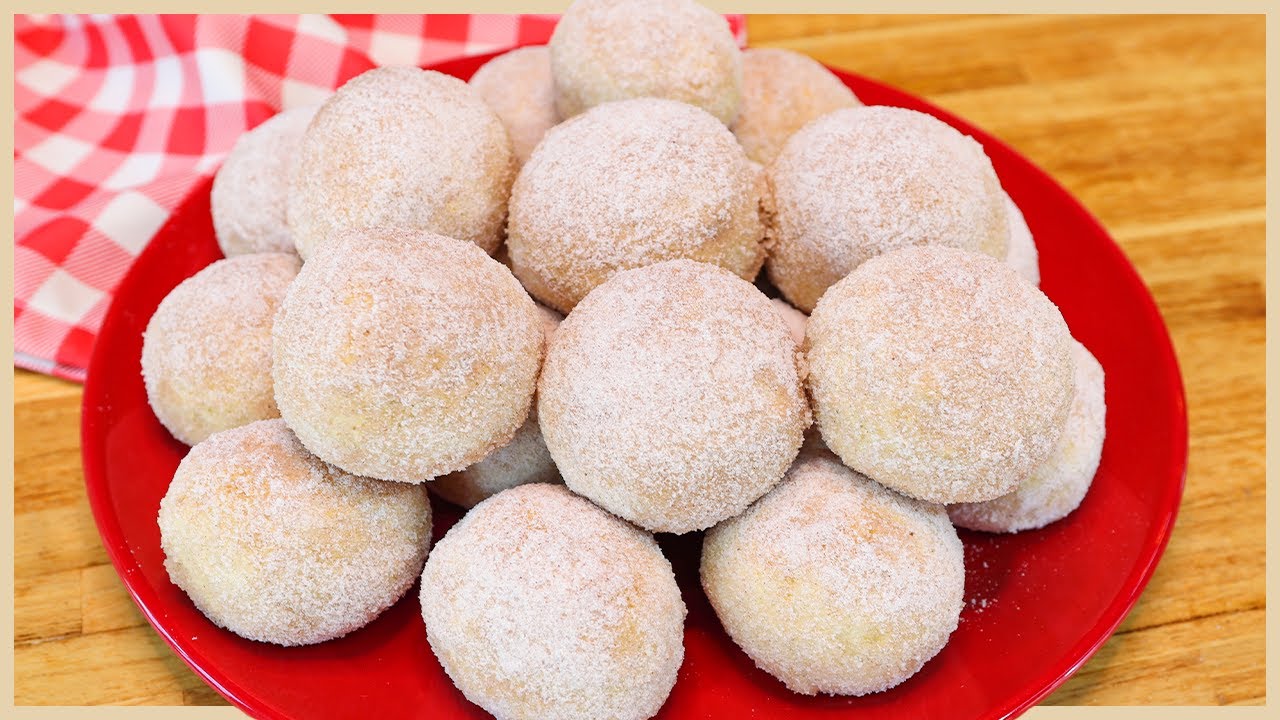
517	85
940	373
782	91
405	355
412	149
540	605
1058	485
277	546
672	396
859	182
605	50
1022	247
835	584
251	189
523	460
627	184
795	319
206	352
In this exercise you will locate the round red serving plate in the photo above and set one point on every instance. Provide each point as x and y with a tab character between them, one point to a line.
1038	604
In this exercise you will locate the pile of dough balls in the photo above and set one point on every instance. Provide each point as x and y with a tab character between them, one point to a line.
623	370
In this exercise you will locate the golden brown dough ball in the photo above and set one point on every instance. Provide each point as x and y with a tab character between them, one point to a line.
206	352
277	546
517	85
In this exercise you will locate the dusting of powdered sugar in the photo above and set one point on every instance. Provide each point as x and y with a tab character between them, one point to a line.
405	355
277	546
795	319
940	373
628	184
862	181
672	396
1060	483
782	90
606	50
406	148
1022	247
517	85
206	352
538	604
523	460
250	190
835	584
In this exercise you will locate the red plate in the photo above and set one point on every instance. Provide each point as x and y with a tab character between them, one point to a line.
1039	603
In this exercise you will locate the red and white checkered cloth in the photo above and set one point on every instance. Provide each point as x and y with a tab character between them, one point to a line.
119	117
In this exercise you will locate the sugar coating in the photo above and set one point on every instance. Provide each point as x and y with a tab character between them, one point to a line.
523	460
834	584
540	605
277	546
672	396
517	85
251	189
795	319
627	184
859	182
406	148
940	373
405	355
1022	247
1058	485
782	91
606	50
206	352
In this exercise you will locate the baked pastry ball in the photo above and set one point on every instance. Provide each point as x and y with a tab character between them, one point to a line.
251	189
672	396
206	352
404	355
539	604
795	319
523	460
1022	247
517	86
782	91
625	185
940	373
606	50
277	546
402	147
1058	485
835	584
859	182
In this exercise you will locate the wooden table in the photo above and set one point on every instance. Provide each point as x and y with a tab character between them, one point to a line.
1155	123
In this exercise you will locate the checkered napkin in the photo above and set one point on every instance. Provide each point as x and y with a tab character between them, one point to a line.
118	118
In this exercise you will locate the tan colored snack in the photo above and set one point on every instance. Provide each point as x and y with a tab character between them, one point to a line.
835	584
859	182
251	189
796	320
540	605
206	352
625	185
606	50
1056	487
1023	255
406	148
405	355
277	546
522	461
782	90
940	373
672	396
518	86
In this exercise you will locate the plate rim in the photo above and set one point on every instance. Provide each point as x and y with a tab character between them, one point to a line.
116	544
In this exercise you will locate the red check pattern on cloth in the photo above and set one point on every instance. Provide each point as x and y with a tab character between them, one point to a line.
119	117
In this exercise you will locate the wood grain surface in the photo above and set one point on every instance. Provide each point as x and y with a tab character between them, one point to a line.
1156	123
